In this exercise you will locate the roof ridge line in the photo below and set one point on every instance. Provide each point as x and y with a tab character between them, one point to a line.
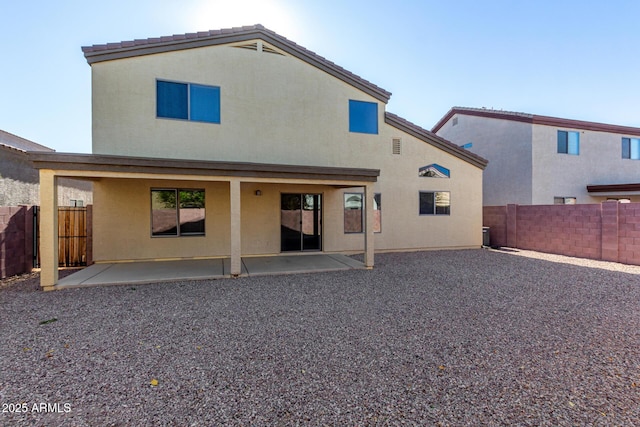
140	47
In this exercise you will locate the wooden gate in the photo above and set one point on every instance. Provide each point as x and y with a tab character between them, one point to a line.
72	237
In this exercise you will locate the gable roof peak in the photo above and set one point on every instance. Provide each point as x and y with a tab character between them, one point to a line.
150	46
435	140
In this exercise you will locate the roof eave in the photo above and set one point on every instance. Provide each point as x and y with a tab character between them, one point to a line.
161	166
94	54
435	140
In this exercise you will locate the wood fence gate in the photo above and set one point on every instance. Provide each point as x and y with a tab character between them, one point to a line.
72	237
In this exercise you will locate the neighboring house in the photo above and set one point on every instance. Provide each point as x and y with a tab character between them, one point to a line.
19	181
240	142
544	160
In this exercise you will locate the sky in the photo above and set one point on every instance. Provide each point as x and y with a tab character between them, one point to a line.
576	59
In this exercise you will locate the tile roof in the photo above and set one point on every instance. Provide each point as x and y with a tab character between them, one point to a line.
17	143
133	48
435	140
535	119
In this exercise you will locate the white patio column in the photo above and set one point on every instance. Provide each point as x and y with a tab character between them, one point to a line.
236	236
48	229
368	227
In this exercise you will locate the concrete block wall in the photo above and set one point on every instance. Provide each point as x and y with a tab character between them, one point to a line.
572	230
495	217
609	231
629	233
16	240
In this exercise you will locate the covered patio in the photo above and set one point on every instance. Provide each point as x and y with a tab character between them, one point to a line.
98	167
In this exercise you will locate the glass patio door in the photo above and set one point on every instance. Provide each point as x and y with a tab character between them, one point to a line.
300	222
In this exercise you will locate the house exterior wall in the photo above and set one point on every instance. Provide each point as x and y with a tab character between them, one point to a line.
18	180
122	224
564	175
274	109
507	145
20	183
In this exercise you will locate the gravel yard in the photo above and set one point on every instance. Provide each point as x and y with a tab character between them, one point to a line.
474	337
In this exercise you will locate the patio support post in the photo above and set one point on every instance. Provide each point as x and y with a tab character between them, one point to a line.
368	229
236	236
48	229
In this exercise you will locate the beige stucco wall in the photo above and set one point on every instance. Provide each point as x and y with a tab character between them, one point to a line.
564	175
122	219
507	146
274	109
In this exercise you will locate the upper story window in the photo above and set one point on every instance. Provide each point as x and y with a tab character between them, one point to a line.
188	101
568	142
631	148
363	117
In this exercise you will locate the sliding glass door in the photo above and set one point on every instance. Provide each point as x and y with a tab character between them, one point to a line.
301	222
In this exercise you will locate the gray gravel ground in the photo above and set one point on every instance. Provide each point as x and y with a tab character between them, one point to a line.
475	337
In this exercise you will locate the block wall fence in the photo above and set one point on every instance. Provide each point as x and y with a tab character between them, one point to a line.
17	246
16	240
609	231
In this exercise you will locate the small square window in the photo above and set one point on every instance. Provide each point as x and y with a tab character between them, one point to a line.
177	212
435	203
568	142
363	117
564	200
631	148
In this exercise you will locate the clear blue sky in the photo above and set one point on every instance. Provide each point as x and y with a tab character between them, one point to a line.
563	58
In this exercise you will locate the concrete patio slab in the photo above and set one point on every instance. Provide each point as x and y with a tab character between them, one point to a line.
299	264
144	272
165	271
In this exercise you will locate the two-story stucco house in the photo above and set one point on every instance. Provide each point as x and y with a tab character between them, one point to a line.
544	160
240	142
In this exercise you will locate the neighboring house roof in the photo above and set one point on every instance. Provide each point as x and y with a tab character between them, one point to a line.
535	119
20	144
433	139
128	49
